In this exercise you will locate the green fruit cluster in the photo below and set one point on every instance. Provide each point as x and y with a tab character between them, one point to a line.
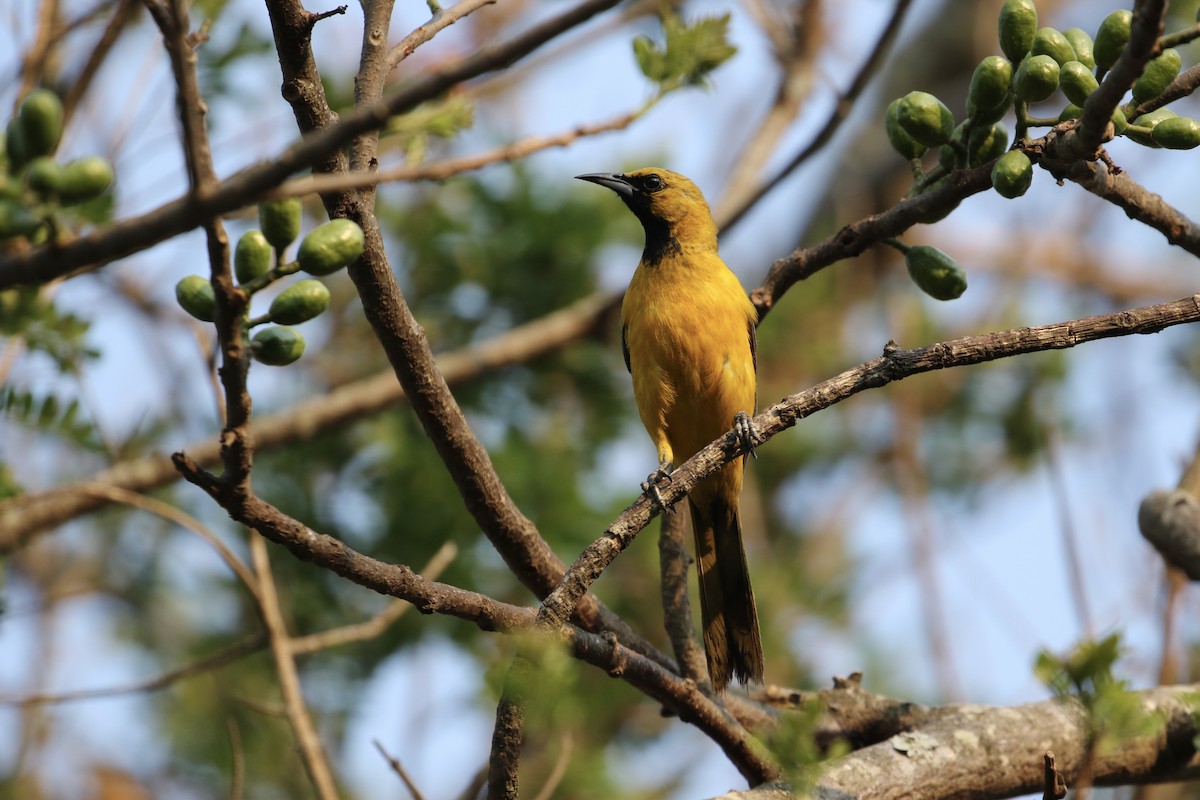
259	259
37	191
1037	62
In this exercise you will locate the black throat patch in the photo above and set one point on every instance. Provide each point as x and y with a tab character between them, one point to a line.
659	241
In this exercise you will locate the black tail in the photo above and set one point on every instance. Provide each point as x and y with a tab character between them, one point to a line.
731	638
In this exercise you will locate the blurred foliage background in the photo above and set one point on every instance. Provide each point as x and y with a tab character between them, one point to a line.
891	533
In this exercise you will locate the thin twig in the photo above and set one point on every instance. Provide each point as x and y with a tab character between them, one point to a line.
116	494
239	650
841	111
445	18
559	771
910	476
398	768
441	170
1069	533
309	744
677	611
124	14
362	631
34	61
237	757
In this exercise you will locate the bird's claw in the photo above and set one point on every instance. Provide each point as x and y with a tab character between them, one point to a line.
743	428
650	485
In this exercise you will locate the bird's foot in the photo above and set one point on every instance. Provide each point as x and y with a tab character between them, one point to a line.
743	428
650	487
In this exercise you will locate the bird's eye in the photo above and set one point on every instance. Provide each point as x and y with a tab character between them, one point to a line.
652	183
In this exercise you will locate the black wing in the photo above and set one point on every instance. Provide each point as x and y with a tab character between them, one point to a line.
752	329
625	348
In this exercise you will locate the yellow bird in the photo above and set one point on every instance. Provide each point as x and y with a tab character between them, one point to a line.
688	338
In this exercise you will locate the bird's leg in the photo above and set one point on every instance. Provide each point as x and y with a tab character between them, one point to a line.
649	486
744	428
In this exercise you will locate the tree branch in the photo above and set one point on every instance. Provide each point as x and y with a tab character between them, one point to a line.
895	364
21	518
121	239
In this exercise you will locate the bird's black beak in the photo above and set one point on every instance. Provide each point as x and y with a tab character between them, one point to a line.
618	183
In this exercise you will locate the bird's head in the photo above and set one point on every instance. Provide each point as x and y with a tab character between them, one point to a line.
669	206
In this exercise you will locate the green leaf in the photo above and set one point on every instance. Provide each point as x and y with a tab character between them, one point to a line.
688	54
442	119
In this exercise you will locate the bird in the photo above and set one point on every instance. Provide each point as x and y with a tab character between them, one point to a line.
688	337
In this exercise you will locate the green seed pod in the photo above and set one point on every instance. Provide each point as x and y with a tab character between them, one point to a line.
1157	75
195	294
280	221
1036	78
935	273
277	346
1177	133
41	121
15	149
1077	82
1049	42
84	178
44	176
989	87
252	256
1111	38
17	220
1081	43
329	247
1072	111
925	118
1017	25
300	302
1012	175
1148	122
902	143
987	143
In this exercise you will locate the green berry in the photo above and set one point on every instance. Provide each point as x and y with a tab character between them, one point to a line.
277	346
1142	128
84	178
195	294
1177	133
986	143
1157	75
44	176
1081	43
1013	174
1017	26
935	273
1048	41
41	121
280	221
1036	78
901	142
1077	82
1111	38
17	220
300	302
329	247
925	118
252	256
989	87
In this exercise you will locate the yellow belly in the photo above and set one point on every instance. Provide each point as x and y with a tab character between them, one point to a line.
688	336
